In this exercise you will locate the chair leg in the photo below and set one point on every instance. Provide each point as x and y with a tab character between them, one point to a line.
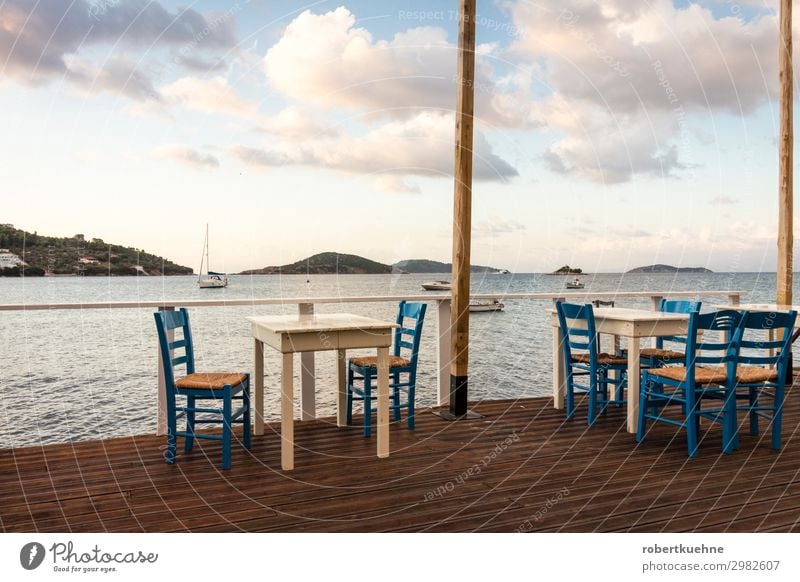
692	421
592	398
753	401
368	402
350	377
226	427
570	397
729	424
602	386
188	441
777	419
412	388
396	396
172	430
246	424
640	422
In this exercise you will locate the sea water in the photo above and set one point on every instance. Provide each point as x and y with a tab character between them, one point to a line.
68	375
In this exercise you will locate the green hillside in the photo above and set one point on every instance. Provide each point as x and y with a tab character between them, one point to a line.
78	256
668	269
428	266
325	264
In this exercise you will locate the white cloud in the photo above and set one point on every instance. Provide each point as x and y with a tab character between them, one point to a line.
496	226
118	76
42	40
392	183
421	145
623	77
327	60
294	122
212	95
186	155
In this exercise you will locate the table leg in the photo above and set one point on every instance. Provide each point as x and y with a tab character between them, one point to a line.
341	399
258	425
559	379
308	389
287	412
633	383
383	402
308	405
616	346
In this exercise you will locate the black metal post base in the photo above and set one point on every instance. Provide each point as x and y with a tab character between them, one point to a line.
459	390
468	415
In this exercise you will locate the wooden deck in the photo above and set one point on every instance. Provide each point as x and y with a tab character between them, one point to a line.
520	468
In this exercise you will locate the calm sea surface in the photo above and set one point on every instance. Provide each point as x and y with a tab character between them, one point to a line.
84	374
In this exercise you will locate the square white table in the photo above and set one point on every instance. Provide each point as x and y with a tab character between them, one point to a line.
633	324
310	333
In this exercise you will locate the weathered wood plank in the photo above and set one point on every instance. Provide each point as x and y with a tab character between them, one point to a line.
521	456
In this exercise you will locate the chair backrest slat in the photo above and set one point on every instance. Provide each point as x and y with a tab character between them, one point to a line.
578	321
708	350
408	337
177	352
761	350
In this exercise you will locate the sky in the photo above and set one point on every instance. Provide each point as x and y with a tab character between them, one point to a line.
608	134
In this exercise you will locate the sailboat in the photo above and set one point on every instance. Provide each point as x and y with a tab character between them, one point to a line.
212	279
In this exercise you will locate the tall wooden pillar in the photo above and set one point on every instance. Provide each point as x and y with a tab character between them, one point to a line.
785	155
462	210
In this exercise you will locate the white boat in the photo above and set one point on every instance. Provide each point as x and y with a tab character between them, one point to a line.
483	305
574	284
211	279
437	286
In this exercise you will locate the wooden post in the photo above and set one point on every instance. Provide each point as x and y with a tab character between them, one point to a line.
462	209
786	144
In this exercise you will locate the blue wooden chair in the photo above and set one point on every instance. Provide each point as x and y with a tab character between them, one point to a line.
689	385
582	358
762	369
402	369
229	387
662	355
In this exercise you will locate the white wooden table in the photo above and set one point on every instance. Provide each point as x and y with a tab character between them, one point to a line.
311	333
633	324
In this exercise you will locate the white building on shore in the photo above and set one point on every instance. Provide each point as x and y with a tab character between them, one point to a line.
9	260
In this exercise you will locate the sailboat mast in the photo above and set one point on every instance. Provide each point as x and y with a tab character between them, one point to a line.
208	263
203	257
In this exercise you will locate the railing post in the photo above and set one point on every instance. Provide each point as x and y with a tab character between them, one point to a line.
443	351
655	301
308	406
161	410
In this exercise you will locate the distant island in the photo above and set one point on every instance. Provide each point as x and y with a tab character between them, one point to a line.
343	264
669	269
428	266
326	264
567	270
34	255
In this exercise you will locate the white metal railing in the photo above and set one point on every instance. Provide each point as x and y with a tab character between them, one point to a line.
306	306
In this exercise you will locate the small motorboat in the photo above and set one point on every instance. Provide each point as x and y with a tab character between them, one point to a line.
575	284
484	305
437	286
